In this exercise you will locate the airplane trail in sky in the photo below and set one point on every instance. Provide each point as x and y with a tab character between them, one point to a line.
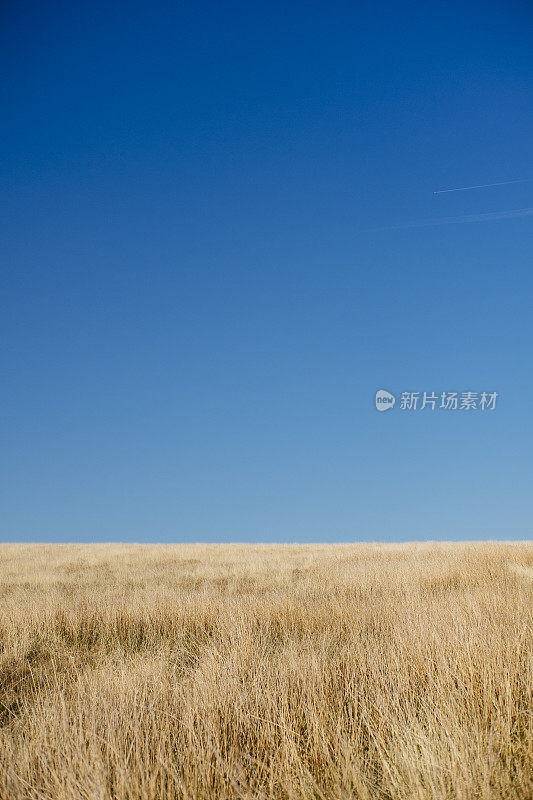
492	215
482	186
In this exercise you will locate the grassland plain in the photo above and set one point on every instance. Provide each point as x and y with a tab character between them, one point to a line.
144	672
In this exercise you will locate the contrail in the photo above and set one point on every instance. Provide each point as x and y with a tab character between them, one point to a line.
492	215
482	186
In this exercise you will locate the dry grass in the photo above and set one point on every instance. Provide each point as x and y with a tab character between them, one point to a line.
199	672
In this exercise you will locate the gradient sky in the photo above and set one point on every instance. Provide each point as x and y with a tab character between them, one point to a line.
211	260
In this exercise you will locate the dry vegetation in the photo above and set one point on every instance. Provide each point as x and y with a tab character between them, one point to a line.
199	672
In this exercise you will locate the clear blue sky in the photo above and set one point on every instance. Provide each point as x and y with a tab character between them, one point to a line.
196	310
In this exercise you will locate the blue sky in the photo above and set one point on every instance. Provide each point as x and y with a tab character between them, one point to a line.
211	260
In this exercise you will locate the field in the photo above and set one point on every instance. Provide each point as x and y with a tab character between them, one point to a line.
201	671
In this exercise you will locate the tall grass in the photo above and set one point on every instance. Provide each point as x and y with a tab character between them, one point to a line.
201	672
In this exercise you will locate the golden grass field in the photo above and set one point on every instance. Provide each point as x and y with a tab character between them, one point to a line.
238	671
